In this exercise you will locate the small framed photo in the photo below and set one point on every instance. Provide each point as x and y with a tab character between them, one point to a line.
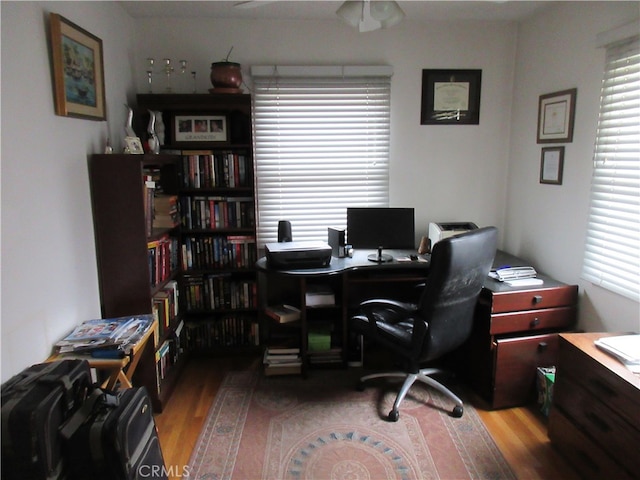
200	128
450	97
133	145
556	114
551	165
78	70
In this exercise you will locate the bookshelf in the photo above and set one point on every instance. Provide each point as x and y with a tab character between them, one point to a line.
211	136
137	261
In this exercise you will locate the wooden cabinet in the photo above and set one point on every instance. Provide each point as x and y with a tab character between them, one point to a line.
211	134
515	331
123	240
595	416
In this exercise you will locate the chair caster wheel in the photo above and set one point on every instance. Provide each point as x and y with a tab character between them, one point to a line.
393	416
457	411
360	387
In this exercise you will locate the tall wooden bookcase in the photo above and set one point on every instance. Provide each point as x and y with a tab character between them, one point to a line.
118	193
218	277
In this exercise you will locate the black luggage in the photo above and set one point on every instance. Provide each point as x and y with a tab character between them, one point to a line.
35	403
114	436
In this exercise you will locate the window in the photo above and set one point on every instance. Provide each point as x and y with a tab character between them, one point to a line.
321	145
612	253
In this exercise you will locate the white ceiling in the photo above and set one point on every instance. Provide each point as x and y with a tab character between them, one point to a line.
418	10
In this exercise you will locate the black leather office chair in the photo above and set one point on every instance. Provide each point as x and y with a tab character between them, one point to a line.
441	321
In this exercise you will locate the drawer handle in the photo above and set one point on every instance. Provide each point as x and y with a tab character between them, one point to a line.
534	323
536	299
542	347
598	422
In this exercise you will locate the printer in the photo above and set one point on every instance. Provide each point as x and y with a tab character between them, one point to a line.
295	255
440	231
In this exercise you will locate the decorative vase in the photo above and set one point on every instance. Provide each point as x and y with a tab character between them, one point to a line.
226	77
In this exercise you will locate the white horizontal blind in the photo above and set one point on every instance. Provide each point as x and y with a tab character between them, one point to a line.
321	145
612	253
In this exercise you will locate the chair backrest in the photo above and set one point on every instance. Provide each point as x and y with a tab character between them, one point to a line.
459	267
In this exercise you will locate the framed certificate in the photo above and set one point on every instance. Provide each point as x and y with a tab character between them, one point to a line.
450	97
551	165
556	114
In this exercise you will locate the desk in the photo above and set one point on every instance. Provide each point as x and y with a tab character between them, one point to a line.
117	369
352	280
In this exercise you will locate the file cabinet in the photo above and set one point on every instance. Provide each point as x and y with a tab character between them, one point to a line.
595	415
515	331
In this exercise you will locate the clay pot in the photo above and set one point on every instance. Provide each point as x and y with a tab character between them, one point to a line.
226	75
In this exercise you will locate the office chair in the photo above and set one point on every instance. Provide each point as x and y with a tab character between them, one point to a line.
442	319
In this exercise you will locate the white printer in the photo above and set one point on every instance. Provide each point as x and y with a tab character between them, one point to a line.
438	231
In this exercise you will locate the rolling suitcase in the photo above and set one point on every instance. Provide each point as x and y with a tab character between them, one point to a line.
114	436
35	403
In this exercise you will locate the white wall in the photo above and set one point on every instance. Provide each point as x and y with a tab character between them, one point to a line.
49	279
547	223
448	173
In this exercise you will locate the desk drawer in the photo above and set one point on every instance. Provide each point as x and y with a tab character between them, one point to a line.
597	379
583	453
516	360
594	417
561	317
535	298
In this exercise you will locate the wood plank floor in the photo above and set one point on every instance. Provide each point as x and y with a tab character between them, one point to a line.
520	433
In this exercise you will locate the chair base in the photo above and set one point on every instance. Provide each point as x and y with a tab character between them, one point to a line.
424	376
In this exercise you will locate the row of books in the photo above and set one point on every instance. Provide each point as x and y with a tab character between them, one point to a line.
163	258
211	212
168	353
219	291
219	251
206	169
229	331
165	306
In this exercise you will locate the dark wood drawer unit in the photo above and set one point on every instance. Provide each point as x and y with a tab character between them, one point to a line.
595	418
515	331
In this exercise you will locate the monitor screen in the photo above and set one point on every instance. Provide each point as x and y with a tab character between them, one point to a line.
381	227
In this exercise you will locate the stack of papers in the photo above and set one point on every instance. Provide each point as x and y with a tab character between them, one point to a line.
113	333
625	348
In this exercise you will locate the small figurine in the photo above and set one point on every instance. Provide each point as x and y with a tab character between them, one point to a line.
154	143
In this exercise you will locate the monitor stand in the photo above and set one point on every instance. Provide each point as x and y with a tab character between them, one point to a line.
380	257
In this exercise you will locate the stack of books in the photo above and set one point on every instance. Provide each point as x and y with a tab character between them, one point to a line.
282	361
165	211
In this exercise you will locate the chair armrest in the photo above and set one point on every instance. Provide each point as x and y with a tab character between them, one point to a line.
403	308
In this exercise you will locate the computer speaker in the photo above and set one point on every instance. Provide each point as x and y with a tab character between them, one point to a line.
284	231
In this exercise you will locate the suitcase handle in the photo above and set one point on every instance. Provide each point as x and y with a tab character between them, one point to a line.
85	411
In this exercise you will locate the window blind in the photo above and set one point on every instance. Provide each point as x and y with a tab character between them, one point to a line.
612	252
321	145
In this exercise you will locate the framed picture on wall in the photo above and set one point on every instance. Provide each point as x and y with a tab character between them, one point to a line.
556	114
450	97
78	70
551	165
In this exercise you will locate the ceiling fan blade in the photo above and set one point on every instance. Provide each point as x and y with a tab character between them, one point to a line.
252	3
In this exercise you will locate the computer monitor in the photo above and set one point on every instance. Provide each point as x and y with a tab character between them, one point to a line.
373	227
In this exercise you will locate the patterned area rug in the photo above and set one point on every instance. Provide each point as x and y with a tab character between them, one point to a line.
323	428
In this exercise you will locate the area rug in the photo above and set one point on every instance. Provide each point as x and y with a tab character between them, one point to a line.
321	427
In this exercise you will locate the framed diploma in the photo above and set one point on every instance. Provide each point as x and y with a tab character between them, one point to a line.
450	97
556	113
551	165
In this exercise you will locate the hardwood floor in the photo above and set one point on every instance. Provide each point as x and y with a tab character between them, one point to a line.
520	433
